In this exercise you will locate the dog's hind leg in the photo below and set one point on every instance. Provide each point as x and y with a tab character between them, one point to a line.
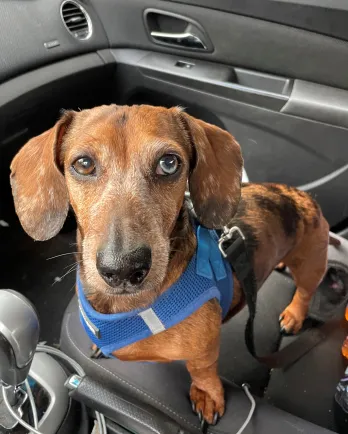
308	264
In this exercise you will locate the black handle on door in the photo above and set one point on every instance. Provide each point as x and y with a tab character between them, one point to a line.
186	39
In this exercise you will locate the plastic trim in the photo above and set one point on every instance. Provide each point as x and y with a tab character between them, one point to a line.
51	376
320	103
327	4
26	83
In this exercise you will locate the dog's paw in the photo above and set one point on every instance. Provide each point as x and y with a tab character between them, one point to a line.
208	408
291	320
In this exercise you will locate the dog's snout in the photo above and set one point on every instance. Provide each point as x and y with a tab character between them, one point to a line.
124	268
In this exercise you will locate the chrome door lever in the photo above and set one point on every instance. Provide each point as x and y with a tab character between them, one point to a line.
184	40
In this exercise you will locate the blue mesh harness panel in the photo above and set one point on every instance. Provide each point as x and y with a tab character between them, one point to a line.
207	276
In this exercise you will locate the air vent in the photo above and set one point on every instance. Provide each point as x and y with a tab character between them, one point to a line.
76	20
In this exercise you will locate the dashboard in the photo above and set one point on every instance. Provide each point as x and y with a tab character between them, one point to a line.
33	34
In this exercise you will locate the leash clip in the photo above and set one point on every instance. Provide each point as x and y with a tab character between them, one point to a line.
227	235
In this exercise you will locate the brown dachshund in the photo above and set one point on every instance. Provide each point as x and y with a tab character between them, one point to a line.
124	171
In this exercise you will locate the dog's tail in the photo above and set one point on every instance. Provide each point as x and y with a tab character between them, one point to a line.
334	241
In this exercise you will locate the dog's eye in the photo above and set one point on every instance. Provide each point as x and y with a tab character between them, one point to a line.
168	165
84	166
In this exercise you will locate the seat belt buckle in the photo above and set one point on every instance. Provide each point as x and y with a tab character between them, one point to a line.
227	235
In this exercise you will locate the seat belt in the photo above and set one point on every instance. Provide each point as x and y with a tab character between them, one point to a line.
233	247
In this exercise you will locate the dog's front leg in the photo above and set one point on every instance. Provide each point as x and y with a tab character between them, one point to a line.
207	393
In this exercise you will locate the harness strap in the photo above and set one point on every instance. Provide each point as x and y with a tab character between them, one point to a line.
233	247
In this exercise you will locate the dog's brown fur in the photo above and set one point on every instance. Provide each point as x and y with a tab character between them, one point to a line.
126	205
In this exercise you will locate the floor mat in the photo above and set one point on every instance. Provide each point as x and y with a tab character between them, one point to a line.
43	271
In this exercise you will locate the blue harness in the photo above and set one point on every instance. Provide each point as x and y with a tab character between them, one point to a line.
207	276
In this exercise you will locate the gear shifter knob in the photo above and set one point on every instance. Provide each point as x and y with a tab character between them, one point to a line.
19	336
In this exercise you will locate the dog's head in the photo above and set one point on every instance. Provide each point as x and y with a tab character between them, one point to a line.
124	171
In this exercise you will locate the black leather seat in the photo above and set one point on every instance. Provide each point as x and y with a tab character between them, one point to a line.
165	386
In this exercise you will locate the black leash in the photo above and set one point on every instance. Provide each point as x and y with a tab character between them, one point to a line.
233	248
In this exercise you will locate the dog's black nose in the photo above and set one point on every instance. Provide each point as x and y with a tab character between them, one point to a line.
130	268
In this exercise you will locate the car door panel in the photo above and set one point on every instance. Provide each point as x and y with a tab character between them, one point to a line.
281	91
276	147
237	40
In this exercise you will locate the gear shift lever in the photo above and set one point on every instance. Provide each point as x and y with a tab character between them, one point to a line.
19	336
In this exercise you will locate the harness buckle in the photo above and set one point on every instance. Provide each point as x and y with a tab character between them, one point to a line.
227	235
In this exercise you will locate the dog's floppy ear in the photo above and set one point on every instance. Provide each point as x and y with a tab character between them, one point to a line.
38	186
215	180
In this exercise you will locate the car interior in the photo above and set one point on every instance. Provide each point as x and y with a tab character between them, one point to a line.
271	72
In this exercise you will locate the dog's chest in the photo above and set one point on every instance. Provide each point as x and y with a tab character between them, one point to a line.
191	338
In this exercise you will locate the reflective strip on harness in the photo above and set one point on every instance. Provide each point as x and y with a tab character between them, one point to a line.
89	324
152	321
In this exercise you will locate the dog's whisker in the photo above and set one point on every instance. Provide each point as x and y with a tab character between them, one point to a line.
73	268
75	263
62	254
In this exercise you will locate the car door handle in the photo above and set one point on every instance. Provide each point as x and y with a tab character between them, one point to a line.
186	39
